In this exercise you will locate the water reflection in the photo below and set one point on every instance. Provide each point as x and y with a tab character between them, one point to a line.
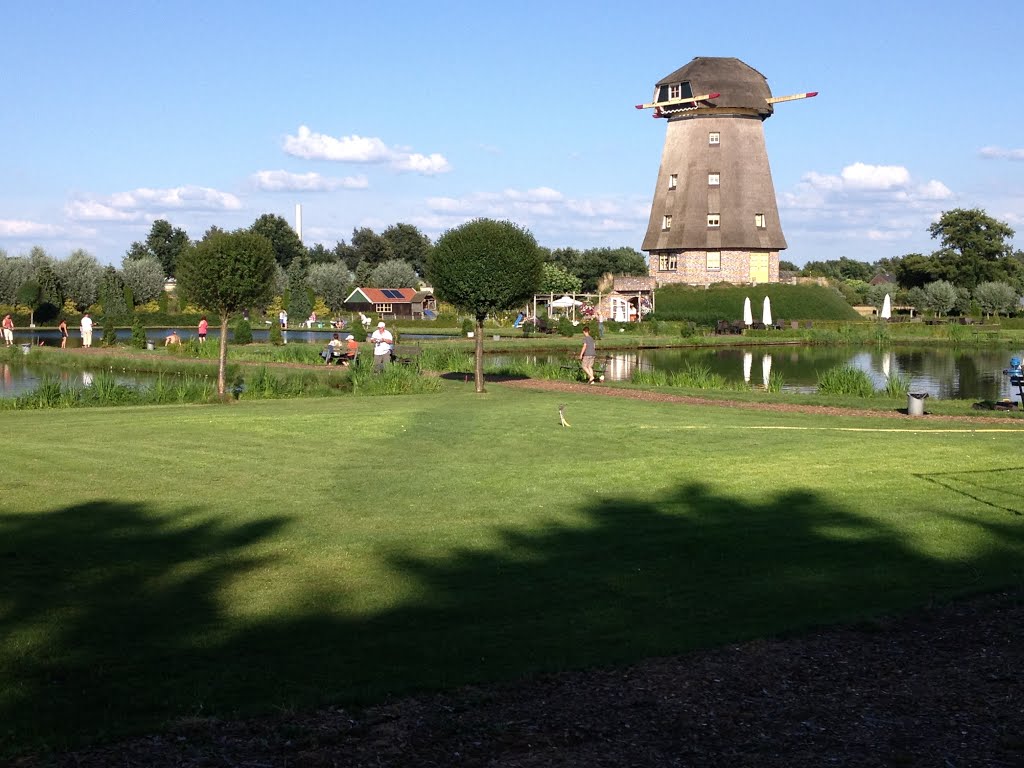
945	373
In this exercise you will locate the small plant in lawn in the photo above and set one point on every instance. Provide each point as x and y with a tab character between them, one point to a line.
276	337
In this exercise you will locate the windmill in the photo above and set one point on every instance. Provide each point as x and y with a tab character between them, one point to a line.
714	217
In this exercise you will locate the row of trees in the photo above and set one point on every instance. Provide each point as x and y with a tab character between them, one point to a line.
975	250
397	257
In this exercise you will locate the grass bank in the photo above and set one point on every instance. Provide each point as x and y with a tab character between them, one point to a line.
169	562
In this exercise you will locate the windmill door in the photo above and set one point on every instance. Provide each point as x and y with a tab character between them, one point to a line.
759	268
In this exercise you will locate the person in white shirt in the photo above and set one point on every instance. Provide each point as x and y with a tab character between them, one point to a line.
383	342
86	328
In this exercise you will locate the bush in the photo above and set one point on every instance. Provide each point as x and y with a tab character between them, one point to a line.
468	326
242	332
565	326
138	334
276	337
109	332
846	381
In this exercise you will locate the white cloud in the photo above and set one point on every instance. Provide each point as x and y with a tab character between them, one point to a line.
999	153
22	228
143	203
284	181
362	149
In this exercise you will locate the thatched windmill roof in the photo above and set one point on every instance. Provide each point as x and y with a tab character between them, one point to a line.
740	85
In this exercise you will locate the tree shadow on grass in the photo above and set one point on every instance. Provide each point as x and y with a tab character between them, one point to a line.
143	636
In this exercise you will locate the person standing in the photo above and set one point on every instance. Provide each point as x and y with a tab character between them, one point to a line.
587	354
383	342
8	330
63	328
86	327
283	317
204	326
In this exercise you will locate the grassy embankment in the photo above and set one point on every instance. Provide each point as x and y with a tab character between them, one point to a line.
173	562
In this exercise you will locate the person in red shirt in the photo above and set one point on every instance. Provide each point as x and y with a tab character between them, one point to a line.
203	328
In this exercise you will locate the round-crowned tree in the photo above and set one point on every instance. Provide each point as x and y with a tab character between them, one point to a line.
482	267
224	273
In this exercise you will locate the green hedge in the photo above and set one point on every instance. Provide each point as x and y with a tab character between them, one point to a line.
725	302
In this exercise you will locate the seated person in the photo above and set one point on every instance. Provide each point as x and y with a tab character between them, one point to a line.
173	338
351	349
333	350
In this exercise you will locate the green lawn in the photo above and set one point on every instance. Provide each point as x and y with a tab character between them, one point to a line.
167	562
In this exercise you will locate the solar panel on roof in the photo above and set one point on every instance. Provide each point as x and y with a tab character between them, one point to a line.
391	293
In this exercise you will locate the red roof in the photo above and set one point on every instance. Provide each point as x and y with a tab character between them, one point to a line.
377	295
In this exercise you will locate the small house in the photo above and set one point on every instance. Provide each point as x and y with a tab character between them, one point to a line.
392	302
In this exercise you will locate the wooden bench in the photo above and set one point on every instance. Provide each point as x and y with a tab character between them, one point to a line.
406	354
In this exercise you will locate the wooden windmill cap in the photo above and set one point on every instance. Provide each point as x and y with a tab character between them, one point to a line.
739	85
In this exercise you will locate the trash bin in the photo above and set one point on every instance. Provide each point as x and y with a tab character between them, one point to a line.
150	346
25	348
915	403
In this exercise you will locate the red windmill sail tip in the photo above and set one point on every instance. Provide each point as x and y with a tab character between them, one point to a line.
639	106
812	94
714	95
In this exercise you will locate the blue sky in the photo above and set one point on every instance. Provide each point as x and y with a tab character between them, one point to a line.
115	114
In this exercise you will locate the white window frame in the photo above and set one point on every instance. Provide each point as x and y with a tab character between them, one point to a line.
675	91
673	180
716	261
668	262
383	309
714	220
714	138
759	221
666	222
714	179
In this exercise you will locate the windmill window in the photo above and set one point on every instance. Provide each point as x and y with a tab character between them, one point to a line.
714	138
714	261
713	179
668	262
383	309
714	220
666	223
759	221
674	91
673	180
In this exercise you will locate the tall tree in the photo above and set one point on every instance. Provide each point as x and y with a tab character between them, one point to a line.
557	279
225	273
371	247
283	239
331	282
300	304
393	273
974	246
409	244
80	275
144	276
485	266
111	294
940	297
164	243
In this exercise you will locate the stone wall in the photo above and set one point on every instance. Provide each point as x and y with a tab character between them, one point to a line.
691	268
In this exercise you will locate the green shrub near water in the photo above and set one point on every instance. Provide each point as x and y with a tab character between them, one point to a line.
242	332
846	380
138	334
276	337
109	332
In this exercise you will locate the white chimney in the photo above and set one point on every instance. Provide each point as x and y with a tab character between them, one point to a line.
298	220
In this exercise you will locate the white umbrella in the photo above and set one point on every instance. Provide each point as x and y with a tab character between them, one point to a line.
766	313
748	316
565	302
748	361
766	369
886	307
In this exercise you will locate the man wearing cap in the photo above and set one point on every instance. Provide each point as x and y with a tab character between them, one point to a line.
382	341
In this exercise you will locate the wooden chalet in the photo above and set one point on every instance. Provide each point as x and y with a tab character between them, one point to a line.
392	302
